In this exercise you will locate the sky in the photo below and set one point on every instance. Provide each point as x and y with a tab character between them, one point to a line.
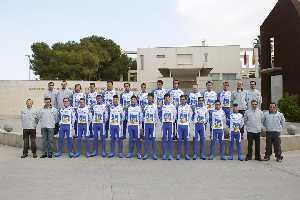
132	24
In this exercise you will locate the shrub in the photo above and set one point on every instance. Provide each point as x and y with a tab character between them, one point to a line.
289	107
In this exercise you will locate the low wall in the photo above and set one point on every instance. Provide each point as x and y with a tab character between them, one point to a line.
288	143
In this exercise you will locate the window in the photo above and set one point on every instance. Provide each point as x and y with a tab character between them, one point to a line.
184	59
142	62
160	56
229	76
215	76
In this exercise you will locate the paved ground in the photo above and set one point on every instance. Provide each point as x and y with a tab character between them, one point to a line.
98	178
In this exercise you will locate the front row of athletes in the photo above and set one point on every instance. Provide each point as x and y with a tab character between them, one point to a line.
148	118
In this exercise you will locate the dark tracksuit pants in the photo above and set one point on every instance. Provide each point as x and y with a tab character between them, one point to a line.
256	138
29	133
273	138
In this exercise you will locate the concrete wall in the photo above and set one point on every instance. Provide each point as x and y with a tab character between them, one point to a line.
14	93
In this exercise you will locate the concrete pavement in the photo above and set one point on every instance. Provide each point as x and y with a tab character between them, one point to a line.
98	178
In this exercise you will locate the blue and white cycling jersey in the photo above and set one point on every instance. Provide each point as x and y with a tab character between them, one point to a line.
134	115
210	98
150	114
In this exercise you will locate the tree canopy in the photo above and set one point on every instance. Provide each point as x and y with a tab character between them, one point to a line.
93	58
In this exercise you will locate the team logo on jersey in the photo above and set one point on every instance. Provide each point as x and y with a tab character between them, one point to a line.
183	118
114	119
236	127
133	119
98	118
200	119
82	119
210	103
167	117
149	117
217	123
65	119
226	103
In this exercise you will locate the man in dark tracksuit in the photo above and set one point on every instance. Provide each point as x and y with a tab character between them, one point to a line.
273	122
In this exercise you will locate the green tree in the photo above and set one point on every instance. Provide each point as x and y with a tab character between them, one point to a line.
93	58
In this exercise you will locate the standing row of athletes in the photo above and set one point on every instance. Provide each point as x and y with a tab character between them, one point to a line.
106	113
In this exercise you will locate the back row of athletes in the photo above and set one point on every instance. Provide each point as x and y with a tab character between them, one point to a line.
106	111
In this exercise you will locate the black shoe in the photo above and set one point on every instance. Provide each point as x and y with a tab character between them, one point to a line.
248	158
49	155
279	159
44	156
34	155
258	159
24	155
266	158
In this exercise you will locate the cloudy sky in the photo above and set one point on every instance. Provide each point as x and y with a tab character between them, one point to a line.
132	24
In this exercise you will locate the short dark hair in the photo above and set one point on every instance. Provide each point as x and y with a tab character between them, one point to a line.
200	98
99	95
28	100
209	82
253	82
273	103
115	96
167	95
51	82
235	105
66	98
76	85
150	95
218	101
92	84
127	83
160	81
47	98
82	99
176	80
183	96
143	84
253	100
133	97
110	81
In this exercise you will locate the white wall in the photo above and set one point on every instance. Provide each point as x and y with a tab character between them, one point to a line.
223	59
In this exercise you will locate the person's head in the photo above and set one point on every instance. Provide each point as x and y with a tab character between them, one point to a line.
239	85
133	100
273	107
63	84
99	98
127	87
66	101
252	85
167	98
47	102
160	84
115	99
50	86
195	88
82	102
150	98
235	108
175	84
217	105
109	85
29	103
254	104
183	99
92	87
209	85
225	85
201	101
77	88
143	87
